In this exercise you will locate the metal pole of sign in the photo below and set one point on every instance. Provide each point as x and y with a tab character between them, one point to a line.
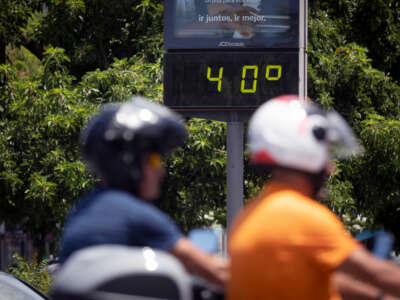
234	141
303	49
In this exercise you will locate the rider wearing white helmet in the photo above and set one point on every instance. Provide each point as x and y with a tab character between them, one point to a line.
285	244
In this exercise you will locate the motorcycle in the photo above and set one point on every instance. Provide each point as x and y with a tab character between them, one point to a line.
110	272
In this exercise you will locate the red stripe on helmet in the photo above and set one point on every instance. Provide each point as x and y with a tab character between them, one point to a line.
262	157
287	98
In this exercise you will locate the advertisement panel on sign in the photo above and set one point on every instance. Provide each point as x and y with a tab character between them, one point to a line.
231	24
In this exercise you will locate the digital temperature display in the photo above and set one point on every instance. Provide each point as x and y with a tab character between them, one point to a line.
228	79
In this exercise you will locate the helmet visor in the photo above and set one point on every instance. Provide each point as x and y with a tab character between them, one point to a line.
343	142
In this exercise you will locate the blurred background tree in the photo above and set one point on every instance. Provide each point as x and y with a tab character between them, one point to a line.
353	67
92	33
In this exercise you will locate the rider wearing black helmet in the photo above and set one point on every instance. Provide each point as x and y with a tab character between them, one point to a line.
123	146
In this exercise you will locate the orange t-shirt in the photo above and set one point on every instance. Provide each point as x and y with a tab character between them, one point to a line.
285	245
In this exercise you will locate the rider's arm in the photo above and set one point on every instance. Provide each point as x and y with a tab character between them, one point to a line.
212	268
352	289
382	274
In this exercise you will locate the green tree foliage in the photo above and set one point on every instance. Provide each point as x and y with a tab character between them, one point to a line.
15	16
92	33
33	272
373	24
41	173
361	84
95	32
40	119
24	61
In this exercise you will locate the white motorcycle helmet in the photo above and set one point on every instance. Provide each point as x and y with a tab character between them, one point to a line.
292	133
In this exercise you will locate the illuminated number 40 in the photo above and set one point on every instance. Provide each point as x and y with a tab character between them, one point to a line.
270	68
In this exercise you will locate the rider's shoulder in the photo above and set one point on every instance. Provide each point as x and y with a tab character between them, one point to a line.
107	195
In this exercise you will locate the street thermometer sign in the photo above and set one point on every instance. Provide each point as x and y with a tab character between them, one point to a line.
227	57
231	54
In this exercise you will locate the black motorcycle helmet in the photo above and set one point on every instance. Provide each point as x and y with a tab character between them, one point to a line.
115	141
